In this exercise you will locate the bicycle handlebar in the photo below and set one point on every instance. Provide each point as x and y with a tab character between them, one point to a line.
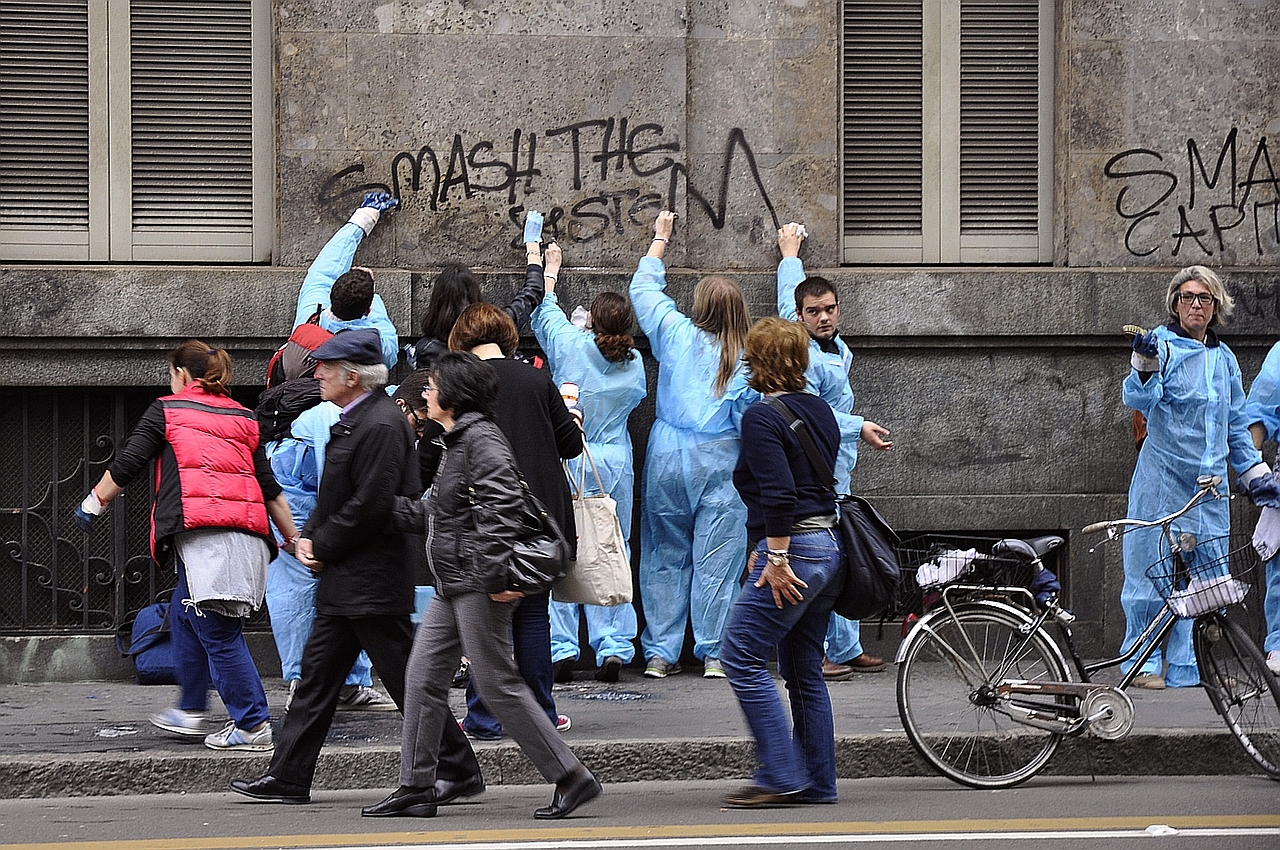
1207	484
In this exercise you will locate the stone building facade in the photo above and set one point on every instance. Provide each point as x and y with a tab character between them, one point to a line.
996	187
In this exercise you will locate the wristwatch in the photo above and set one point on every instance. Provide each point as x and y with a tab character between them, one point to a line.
778	556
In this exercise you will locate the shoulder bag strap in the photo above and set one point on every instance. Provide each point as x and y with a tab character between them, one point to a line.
797	426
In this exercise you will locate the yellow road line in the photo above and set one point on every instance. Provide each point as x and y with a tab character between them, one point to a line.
537	834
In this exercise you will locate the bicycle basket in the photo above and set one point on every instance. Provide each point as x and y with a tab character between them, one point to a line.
932	561
1212	576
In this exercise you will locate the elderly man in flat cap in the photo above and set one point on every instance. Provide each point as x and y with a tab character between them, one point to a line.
365	593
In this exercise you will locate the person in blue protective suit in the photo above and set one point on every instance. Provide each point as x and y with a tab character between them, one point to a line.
692	521
1186	383
813	302
343	296
602	360
337	297
1262	409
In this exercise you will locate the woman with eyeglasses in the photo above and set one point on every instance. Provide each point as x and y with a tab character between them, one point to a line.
1187	384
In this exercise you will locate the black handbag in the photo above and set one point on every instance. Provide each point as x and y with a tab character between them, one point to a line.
541	554
871	570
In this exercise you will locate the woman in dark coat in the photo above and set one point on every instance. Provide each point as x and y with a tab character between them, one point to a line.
541	432
471	523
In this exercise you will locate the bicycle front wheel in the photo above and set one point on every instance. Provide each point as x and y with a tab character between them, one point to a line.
948	716
1241	688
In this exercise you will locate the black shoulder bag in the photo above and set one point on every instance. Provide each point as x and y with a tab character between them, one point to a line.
871	572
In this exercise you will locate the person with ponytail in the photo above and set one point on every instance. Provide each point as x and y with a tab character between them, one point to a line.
602	361
214	491
692	521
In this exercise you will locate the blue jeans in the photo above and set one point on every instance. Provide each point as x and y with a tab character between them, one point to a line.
210	649
531	638
799	757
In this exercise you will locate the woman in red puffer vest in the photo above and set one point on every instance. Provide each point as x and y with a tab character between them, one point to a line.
214	492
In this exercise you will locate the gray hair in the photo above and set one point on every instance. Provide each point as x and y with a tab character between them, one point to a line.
1222	302
373	376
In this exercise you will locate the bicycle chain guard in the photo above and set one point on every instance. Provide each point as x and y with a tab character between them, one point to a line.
1101	710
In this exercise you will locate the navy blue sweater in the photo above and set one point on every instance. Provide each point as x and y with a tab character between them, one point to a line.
774	476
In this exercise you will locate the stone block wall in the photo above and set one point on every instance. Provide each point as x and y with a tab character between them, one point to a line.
1001	384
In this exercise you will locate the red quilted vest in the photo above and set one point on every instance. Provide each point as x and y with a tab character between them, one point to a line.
213	439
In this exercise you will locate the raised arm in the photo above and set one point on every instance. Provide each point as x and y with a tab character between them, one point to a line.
335	257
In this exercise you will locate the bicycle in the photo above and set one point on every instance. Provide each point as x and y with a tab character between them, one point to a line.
984	691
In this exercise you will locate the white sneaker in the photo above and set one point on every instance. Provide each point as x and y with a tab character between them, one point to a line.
1273	661
360	698
563	723
713	669
231	737
193	724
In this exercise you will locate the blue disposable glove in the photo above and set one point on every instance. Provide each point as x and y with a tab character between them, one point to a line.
1264	490
83	519
533	226
1146	352
88	510
380	201
1145	345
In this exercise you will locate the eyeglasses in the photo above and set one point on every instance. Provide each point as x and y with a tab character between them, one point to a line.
418	422
429	388
1204	298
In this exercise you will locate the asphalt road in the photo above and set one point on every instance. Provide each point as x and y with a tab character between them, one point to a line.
1212	813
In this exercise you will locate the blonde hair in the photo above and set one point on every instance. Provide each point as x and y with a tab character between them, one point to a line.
1223	303
777	355
720	310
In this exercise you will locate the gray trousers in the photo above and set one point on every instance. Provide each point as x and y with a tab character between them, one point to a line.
471	624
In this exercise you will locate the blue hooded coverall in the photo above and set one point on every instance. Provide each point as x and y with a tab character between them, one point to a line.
333	261
291	587
1196	424
608	392
1263	405
828	377
693	534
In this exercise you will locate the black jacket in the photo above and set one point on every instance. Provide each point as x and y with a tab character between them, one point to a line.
471	520
541	433
368	462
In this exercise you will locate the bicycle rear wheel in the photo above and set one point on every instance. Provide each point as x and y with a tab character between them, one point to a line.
947	717
1241	688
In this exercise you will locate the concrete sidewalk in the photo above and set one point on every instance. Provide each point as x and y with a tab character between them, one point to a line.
93	738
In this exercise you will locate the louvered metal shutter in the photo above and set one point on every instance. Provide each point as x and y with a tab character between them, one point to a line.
883	80
139	129
946	132
192	114
44	126
999	116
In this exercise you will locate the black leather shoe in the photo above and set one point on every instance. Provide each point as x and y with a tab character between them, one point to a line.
608	672
271	790
404	802
570	793
447	790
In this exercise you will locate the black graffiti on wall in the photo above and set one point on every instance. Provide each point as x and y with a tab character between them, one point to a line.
1205	203
602	152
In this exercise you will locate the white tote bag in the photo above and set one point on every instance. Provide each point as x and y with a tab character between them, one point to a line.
602	573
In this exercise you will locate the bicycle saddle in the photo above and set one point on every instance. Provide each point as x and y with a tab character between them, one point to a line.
1035	547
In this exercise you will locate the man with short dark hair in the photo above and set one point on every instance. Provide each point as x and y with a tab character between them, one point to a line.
343	295
365	593
814	303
